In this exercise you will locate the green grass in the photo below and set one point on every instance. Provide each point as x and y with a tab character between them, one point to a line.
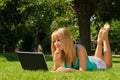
10	69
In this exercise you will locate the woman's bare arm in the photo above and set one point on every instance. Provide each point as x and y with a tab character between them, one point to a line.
82	58
57	59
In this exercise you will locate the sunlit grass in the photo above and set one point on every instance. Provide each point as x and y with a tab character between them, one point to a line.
12	70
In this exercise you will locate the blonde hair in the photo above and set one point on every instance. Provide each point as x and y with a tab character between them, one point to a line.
64	35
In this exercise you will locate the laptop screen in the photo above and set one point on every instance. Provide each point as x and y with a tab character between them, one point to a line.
32	60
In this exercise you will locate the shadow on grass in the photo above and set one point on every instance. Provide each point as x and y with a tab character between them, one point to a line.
116	58
14	56
116	61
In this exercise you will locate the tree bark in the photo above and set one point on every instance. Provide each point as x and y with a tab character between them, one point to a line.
84	30
84	10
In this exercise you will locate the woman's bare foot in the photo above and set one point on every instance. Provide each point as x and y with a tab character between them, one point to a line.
100	36
106	30
103	33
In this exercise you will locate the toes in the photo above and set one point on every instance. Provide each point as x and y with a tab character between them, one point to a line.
106	27
103	33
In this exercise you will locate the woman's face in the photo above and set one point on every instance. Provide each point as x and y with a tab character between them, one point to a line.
58	44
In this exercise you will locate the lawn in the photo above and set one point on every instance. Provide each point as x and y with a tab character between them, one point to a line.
10	69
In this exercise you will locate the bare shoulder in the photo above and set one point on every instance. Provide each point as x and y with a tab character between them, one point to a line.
82	50
81	47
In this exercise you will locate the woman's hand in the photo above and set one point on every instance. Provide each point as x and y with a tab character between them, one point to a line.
58	51
57	55
62	69
57	59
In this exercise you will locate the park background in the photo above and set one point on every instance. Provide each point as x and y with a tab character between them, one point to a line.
26	24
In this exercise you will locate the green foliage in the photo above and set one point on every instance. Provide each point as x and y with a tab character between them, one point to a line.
95	27
108	10
67	20
114	35
41	17
67	17
74	31
33	16
114	32
11	18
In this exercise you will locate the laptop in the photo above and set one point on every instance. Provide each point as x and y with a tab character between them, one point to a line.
32	60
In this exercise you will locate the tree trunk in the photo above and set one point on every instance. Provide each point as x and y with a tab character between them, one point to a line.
84	30
84	10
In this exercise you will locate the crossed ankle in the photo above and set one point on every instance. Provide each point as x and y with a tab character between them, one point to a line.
99	42
105	39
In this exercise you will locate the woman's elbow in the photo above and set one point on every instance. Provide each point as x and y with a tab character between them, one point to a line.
81	69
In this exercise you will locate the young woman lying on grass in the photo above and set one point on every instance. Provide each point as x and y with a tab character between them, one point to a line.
69	57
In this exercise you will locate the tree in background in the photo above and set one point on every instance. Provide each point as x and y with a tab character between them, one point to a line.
10	19
32	16
43	14
36	19
85	9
